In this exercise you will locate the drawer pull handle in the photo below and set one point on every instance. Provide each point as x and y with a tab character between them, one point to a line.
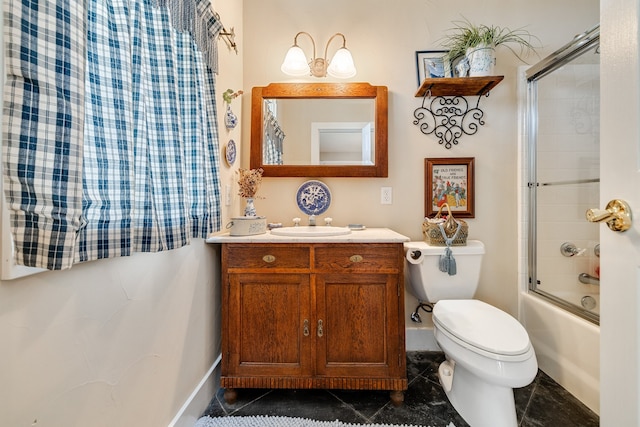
268	258
305	328
320	330
356	258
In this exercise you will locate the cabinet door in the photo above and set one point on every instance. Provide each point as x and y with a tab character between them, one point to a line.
357	326
269	325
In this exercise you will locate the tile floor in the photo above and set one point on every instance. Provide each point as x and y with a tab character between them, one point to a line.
541	404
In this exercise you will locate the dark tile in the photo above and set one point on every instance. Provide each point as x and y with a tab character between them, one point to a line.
214	409
522	396
425	403
543	403
365	402
218	407
315	404
551	405
423	363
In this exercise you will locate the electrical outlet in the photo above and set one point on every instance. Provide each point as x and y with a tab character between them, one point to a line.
386	196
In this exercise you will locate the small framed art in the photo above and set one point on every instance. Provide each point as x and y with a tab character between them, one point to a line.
451	181
432	64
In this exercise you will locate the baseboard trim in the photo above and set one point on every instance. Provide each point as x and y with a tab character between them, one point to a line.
199	399
420	339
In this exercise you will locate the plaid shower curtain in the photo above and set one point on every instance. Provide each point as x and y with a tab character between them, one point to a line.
274	138
140	171
43	123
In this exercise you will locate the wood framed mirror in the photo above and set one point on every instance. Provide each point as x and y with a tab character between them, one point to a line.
319	130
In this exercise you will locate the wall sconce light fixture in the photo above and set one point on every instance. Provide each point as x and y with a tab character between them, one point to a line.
340	66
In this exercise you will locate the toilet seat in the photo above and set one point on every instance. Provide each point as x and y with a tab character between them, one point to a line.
483	329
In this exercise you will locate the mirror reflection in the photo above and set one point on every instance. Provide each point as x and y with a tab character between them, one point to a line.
319	129
319	132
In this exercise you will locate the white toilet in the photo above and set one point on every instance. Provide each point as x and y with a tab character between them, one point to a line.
487	351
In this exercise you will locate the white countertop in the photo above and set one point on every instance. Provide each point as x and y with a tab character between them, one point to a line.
369	235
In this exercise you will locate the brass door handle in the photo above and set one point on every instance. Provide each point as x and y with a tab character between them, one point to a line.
617	215
305	328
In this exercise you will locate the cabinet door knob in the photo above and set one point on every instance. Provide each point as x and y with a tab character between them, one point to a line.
305	328
356	258
320	329
268	258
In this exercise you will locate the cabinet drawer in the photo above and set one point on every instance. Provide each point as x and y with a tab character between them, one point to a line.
358	257
267	256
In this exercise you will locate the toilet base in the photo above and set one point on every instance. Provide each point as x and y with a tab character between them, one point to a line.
480	403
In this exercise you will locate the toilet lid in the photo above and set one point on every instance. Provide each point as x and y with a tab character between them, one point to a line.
482	325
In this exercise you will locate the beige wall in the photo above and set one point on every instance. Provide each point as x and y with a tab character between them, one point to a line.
123	342
383	37
117	342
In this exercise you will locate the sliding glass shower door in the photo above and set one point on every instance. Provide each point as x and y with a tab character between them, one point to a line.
563	179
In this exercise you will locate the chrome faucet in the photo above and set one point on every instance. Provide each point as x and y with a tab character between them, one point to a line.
569	249
588	279
312	220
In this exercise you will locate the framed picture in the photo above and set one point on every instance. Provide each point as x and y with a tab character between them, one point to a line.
450	180
432	64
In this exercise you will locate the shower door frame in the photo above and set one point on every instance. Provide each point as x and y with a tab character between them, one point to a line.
581	44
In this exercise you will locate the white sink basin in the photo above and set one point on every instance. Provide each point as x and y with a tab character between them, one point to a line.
311	231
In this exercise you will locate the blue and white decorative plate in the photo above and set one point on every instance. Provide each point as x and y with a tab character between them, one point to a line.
230	152
313	197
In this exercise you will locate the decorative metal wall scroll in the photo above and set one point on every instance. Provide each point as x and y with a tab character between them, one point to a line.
448	118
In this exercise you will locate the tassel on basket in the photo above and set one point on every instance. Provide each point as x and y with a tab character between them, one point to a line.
447	261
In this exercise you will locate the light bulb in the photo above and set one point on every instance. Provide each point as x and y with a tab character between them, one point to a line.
295	63
342	66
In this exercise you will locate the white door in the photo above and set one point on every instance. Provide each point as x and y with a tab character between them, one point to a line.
620	179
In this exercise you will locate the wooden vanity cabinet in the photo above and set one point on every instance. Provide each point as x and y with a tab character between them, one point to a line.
313	315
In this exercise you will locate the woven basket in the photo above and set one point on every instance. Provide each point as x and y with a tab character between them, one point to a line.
433	236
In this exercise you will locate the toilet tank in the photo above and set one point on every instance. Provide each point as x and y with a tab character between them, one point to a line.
426	282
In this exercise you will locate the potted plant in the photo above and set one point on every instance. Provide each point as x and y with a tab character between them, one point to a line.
477	44
230	119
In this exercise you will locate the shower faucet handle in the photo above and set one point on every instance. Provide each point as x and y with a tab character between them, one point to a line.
569	249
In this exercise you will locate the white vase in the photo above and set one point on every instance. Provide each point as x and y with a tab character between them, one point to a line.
250	209
481	60
230	119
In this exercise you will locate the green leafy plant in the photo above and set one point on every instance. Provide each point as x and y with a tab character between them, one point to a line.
229	95
465	34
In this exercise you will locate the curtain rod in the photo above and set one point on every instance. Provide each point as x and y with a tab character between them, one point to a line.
229	36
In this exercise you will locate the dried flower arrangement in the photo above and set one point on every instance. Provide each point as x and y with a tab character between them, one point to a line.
249	181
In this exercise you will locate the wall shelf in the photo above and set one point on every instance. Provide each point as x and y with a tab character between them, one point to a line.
458	86
446	113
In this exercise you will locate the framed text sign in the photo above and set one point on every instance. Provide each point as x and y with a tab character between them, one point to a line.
450	180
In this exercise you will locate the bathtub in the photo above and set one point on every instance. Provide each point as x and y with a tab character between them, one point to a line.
567	346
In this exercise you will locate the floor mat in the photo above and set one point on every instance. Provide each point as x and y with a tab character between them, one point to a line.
263	421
